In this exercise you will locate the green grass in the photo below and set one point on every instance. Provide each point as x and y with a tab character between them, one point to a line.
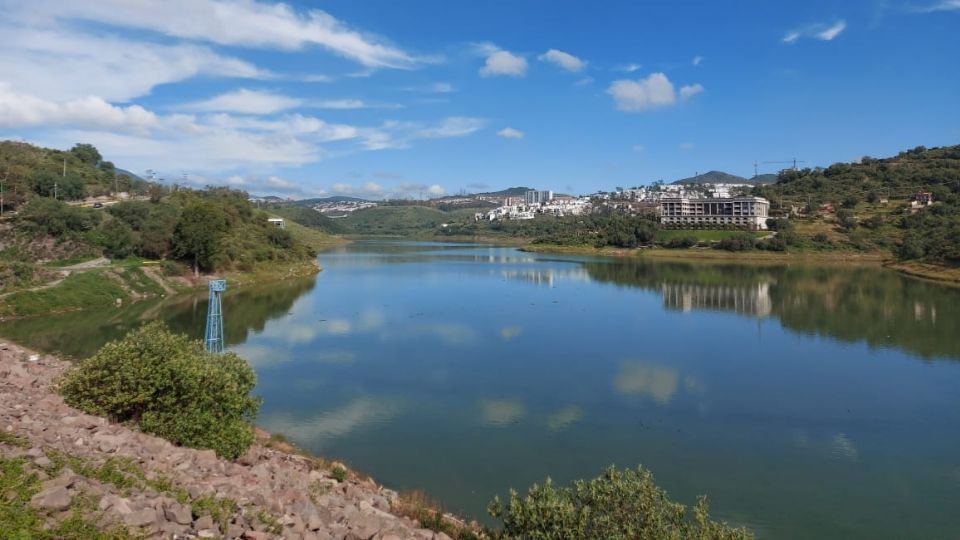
140	282
12	439
702	235
69	262
82	290
21	521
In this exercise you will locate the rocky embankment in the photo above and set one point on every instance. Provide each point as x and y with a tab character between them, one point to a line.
118	479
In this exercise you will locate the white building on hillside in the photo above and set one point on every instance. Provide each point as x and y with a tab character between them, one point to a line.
747	212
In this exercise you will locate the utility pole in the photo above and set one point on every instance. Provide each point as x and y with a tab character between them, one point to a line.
64	166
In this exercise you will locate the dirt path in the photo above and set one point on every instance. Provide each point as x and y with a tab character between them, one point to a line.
64	272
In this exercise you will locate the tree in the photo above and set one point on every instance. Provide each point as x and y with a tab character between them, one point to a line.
846	218
87	153
169	386
50	184
117	240
199	233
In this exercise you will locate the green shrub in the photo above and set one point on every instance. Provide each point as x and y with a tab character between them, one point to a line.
616	505
169	386
680	242
737	242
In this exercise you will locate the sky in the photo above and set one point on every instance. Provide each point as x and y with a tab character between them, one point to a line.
421	98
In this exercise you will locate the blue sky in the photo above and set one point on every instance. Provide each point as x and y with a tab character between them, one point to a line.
381	98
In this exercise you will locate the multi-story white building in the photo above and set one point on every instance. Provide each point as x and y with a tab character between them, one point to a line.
534	197
746	212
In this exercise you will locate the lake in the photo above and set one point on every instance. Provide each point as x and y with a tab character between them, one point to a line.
806	401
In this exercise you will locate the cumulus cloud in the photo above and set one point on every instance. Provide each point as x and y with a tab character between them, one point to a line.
818	31
651	92
562	59
24	110
244	23
690	90
246	101
510	133
501	62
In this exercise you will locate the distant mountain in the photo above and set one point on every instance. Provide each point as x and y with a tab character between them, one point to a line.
720	177
713	177
509	192
120	171
334	199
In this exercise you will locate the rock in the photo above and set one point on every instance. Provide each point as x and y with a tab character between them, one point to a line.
256	535
178	513
207	533
204	522
53	498
141	518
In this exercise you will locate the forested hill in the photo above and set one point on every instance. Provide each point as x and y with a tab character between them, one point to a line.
209	230
873	200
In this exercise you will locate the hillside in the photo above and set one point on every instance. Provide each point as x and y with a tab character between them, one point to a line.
183	231
308	218
868	205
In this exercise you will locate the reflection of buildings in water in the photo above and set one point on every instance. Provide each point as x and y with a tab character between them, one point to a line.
743	299
547	276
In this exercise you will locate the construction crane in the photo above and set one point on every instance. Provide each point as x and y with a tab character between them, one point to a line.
794	161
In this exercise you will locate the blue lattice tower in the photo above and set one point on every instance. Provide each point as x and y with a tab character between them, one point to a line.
213	337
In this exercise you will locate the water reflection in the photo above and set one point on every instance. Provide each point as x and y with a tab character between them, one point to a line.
850	304
645	379
80	334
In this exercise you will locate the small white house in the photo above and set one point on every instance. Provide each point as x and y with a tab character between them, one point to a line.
277	222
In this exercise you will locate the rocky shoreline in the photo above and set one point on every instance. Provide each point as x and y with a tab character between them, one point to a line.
121	479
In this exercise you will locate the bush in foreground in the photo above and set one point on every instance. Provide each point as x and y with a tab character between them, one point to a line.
623	504
169	386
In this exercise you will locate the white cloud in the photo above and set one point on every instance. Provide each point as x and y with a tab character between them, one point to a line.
638	148
372	187
59	64
454	126
243	23
791	36
652	92
23	110
697	60
510	133
628	68
943	5
441	88
690	90
501	62
819	31
686	146
829	33
436	190
562	59
246	101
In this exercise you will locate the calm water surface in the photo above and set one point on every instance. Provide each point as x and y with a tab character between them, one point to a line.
808	402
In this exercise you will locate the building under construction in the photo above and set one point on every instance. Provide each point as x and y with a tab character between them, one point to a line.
746	212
